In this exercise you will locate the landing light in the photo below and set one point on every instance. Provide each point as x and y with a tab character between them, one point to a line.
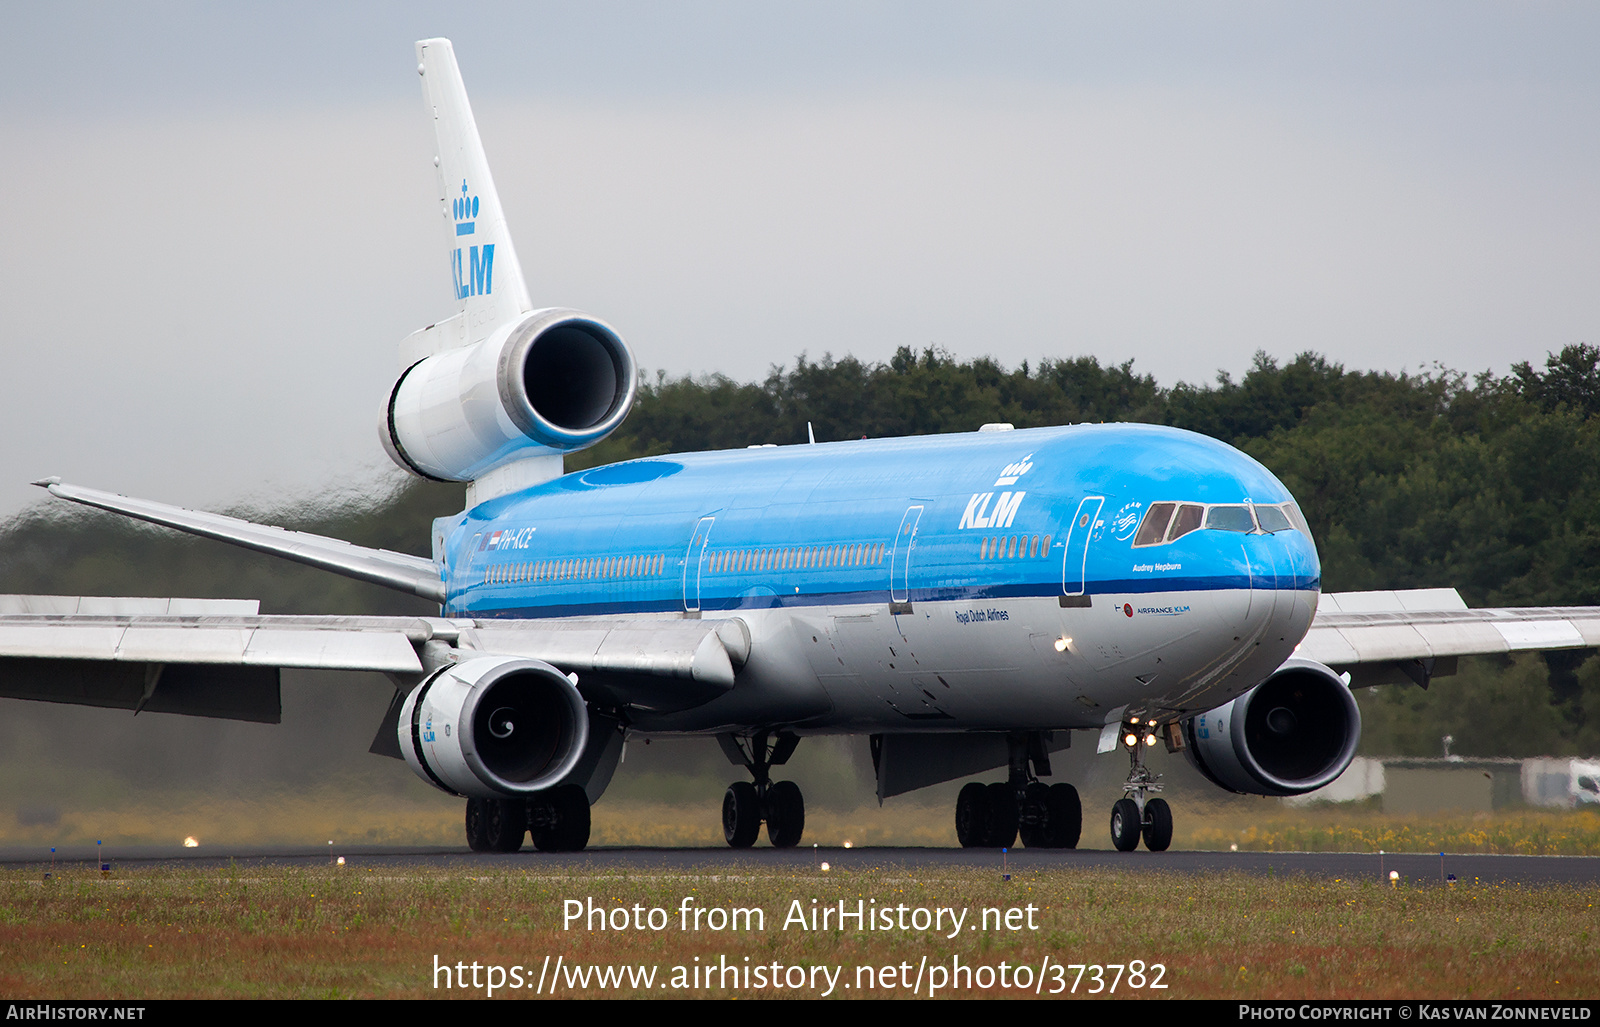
1150	739
1062	643
1131	740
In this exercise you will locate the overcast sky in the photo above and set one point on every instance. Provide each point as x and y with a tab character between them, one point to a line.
219	219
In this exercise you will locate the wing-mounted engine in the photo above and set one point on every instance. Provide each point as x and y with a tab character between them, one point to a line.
1291	734
490	727
548	383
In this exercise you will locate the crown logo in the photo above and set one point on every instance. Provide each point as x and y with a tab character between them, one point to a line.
466	211
1014	471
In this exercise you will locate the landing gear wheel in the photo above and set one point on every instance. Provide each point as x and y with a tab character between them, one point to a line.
562	821
1002	816
1125	825
786	814
477	813
741	815
972	816
505	821
1064	822
1034	823
1157	825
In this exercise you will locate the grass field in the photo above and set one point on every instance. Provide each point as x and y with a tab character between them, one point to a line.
357	932
1258	824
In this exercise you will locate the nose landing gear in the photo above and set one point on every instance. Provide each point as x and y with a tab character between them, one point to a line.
1137	814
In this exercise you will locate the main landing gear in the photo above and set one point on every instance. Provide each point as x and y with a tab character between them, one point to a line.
558	820
746	805
1046	816
1136	813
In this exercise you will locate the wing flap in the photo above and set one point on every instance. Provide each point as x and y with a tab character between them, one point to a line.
198	690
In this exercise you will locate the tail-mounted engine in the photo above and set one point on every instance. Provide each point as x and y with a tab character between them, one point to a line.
553	381
1291	734
491	727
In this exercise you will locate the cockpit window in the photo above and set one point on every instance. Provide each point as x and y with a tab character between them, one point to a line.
1273	519
1231	518
1154	528
1168	522
1189	518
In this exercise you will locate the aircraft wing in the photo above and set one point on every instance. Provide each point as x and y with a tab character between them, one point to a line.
399	571
1415	635
220	658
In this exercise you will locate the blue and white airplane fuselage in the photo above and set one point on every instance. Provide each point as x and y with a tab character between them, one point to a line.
979	581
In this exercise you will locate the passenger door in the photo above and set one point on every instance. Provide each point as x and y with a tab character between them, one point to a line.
1075	563
694	564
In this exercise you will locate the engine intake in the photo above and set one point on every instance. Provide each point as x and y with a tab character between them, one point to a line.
552	382
491	727
1291	734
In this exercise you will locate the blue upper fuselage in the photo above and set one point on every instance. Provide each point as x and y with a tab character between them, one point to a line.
1035	512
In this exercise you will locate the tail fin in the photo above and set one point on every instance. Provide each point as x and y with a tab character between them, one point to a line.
484	269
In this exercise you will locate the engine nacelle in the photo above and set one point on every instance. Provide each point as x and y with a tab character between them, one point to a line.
552	382
490	727
1291	734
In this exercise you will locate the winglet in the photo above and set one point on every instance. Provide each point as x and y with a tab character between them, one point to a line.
44	483
485	272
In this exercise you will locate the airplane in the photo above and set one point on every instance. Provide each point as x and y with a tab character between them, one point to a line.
967	601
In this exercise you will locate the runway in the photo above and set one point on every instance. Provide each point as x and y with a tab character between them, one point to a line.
1413	868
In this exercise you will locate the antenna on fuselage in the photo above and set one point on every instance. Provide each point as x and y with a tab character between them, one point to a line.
811	436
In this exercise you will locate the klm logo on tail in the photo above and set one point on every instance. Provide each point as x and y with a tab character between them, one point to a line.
474	274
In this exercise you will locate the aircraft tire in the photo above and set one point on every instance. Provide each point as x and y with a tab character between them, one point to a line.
1125	825
1157	825
477	813
972	816
1002	816
1064	820
505	822
786	814
568	828
1033	825
741	815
